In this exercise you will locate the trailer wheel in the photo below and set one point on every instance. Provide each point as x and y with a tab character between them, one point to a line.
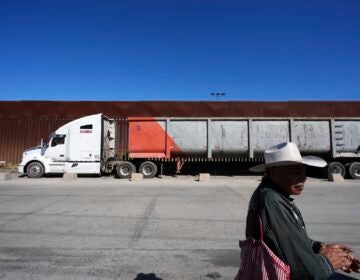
148	169
354	170
336	168
124	169
35	170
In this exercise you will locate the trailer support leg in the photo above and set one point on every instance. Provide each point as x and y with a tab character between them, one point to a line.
179	165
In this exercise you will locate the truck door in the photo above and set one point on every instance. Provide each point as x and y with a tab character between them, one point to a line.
57	148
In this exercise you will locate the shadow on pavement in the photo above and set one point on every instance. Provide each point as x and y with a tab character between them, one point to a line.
150	276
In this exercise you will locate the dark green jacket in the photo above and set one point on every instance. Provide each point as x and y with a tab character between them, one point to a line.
285	233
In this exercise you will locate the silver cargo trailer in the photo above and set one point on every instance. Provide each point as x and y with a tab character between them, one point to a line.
336	140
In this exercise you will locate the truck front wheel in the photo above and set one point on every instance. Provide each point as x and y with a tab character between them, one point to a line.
148	169
35	170
124	169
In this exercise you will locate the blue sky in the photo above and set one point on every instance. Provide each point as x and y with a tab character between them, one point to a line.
180	50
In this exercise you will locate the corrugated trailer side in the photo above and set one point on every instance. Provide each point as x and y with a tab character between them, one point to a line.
337	140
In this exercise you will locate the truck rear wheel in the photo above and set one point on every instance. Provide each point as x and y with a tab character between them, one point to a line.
336	168
124	169
148	169
354	170
35	170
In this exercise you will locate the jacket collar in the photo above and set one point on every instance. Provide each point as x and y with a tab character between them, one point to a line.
269	184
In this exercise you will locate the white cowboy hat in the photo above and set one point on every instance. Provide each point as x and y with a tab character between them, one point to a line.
286	154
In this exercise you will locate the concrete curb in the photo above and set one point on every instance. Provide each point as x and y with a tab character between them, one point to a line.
204	177
136	177
5	176
70	176
335	177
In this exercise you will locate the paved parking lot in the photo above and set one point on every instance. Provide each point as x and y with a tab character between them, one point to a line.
169	228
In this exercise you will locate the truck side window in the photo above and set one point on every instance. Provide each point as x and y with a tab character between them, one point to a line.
87	126
58	140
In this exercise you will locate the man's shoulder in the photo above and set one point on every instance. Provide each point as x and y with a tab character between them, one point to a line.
263	193
269	196
266	196
269	193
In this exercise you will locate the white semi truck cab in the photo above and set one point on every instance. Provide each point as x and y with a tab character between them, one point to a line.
82	146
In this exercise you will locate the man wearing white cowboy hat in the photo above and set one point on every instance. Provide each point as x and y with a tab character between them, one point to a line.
283	226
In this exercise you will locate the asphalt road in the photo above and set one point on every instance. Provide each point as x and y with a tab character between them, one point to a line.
105	228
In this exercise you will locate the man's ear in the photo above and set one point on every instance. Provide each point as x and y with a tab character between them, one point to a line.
270	171
272	174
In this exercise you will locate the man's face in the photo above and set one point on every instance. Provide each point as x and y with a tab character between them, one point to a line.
290	178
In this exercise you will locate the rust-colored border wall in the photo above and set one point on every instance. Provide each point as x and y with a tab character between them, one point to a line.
118	109
19	134
24	123
122	136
